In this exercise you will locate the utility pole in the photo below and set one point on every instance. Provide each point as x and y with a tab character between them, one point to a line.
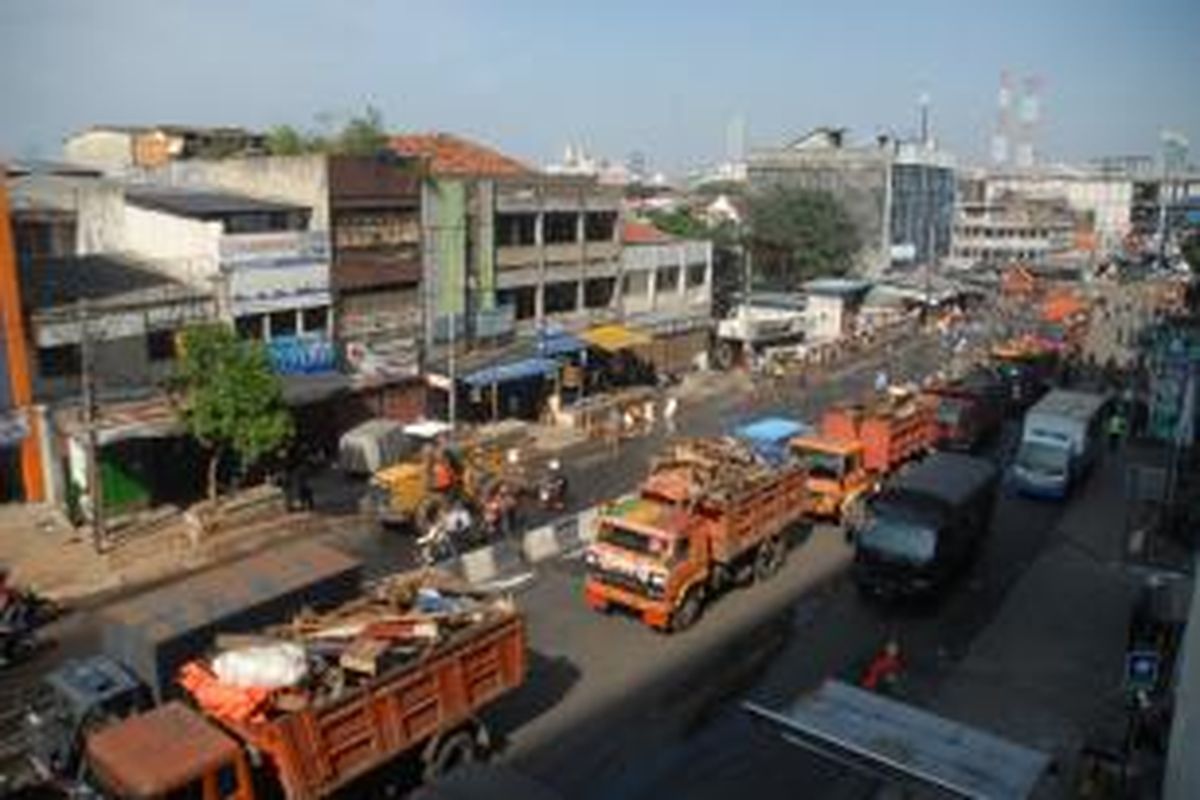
90	408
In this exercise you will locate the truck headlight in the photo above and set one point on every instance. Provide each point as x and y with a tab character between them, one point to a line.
590	558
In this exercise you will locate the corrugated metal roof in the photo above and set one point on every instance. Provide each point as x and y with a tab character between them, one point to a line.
202	203
906	744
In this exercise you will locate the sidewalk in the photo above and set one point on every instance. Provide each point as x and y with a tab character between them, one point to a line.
44	551
1048	670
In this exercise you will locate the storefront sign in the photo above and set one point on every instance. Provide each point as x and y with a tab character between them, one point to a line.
282	249
301	355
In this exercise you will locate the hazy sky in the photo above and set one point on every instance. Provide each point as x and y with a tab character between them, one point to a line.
661	77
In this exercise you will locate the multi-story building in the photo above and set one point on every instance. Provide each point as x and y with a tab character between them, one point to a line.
118	148
900	196
509	247
371	206
268	269
1103	199
1013	229
666	290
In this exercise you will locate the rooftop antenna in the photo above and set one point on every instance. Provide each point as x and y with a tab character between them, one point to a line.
923	101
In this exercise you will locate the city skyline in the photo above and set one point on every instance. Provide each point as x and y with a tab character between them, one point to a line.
530	80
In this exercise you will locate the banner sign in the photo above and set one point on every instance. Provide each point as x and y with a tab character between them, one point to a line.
301	355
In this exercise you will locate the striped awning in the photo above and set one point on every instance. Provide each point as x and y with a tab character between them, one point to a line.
614	337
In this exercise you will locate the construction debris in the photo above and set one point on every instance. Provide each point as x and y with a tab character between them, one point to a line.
316	657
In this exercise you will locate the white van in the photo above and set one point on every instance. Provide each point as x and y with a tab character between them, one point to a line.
1060	440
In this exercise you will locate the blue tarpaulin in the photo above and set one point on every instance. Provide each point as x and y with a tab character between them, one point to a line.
511	371
558	343
769	436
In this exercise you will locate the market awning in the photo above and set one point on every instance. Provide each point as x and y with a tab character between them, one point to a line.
558	344
614	337
511	371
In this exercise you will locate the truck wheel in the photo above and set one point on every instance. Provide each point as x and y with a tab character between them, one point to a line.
769	559
454	751
688	612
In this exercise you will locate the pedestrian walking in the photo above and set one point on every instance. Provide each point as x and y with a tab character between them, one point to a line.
1116	429
670	409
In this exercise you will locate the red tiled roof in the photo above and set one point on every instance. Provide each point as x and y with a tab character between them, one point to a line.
450	155
644	233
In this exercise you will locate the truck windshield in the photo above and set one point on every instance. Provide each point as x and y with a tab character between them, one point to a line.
634	541
897	538
1042	457
823	465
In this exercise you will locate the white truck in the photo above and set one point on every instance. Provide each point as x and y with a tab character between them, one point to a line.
1060	439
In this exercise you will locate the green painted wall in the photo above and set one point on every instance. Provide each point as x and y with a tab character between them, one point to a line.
451	234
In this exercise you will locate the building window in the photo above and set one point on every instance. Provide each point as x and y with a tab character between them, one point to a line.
667	279
695	275
516	230
560	227
561	297
635	284
523	300
59	362
315	320
600	226
250	326
160	345
598	292
283	323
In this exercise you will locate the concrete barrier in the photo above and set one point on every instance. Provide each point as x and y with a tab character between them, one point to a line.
540	544
510	559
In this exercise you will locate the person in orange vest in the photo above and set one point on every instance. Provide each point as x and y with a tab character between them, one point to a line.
884	670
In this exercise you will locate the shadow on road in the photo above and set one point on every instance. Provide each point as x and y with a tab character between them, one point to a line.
548	680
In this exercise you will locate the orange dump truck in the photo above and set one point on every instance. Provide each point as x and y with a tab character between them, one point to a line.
837	475
377	703
710	514
891	431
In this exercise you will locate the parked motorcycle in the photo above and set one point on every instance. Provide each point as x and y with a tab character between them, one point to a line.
23	612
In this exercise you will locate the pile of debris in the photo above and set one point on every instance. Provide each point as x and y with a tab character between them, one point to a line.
709	470
317	657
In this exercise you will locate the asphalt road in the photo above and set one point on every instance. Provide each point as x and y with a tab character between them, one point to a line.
615	710
604	693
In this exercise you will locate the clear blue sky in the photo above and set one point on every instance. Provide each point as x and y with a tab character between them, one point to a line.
664	78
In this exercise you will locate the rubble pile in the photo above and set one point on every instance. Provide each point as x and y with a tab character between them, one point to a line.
709	470
316	657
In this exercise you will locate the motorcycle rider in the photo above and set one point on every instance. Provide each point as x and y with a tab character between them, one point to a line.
553	491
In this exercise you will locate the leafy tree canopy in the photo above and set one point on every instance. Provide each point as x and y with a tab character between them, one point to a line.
362	134
231	400
798	234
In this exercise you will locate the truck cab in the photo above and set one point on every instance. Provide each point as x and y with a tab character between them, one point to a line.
170	753
72	701
646	559
837	475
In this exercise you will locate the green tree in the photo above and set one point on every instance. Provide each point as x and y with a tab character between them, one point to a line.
363	135
230	398
285	140
799	234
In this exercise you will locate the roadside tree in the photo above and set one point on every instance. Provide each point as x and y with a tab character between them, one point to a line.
797	234
229	398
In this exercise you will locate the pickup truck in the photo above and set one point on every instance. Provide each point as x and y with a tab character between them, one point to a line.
711	513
